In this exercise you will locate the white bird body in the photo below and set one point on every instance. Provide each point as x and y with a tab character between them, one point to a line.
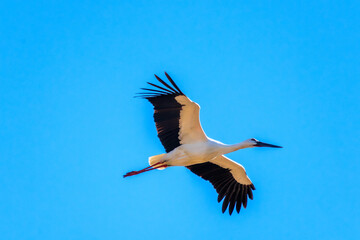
177	121
199	152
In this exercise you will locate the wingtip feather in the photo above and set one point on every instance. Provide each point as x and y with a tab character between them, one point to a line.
165	84
174	84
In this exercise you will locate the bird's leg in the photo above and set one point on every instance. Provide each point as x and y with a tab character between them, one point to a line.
149	168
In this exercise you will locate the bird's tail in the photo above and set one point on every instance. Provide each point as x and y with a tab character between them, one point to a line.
154	160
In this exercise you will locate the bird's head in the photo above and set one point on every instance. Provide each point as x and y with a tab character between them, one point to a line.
256	143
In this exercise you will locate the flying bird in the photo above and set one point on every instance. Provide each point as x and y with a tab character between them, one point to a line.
186	144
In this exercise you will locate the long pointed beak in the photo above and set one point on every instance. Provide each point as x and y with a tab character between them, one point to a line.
261	144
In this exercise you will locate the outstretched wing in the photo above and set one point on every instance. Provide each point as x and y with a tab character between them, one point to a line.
176	116
229	179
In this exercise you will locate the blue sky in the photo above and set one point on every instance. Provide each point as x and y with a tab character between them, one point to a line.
286	73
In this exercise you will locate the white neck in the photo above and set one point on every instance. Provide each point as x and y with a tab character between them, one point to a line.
234	147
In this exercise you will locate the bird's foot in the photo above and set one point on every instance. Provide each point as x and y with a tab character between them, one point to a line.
158	165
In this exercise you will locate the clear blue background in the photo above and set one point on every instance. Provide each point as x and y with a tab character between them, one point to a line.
286	73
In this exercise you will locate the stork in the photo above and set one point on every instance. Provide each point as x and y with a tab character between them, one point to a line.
186	144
